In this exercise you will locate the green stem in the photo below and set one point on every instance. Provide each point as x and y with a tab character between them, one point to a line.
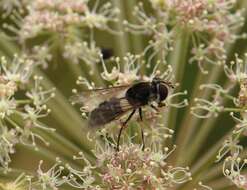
76	69
23	101
216	171
58	139
121	41
61	144
178	58
80	71
213	173
8	48
44	153
190	123
178	62
67	116
136	40
234	109
198	140
203	164
58	144
222	183
209	156
13	173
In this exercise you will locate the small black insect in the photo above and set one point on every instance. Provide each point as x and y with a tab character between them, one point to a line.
134	98
107	53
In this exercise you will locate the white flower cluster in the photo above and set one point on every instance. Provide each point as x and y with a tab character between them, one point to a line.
129	168
43	180
210	24
19	98
231	150
63	31
68	24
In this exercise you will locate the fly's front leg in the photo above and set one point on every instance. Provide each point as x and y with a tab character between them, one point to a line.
154	107
123	126
141	118
162	104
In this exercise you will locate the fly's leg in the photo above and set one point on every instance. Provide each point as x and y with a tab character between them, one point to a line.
162	104
122	127
143	142
154	107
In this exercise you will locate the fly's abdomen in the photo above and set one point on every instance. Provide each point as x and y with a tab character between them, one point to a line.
105	113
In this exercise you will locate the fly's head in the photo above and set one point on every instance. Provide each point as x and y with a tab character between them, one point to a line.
161	89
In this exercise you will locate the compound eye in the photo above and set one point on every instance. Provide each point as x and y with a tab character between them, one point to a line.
163	92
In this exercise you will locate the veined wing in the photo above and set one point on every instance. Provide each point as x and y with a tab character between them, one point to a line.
92	98
109	111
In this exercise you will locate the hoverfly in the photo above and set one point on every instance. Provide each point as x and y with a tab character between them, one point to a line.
113	107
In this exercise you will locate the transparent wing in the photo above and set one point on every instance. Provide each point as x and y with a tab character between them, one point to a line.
109	111
92	98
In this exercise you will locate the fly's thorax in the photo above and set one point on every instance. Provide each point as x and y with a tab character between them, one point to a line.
139	94
153	95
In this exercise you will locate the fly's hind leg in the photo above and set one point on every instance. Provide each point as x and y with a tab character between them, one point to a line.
142	133
123	126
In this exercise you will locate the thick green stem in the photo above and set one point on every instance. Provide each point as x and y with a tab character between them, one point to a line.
213	173
209	156
198	141
67	116
203	164
222	183
7	48
178	62
57	144
46	154
57	141
190	122
122	40
12	174
136	40
61	145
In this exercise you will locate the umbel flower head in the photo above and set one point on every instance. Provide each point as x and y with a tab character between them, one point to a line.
63	21
15	76
211	24
130	168
194	139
